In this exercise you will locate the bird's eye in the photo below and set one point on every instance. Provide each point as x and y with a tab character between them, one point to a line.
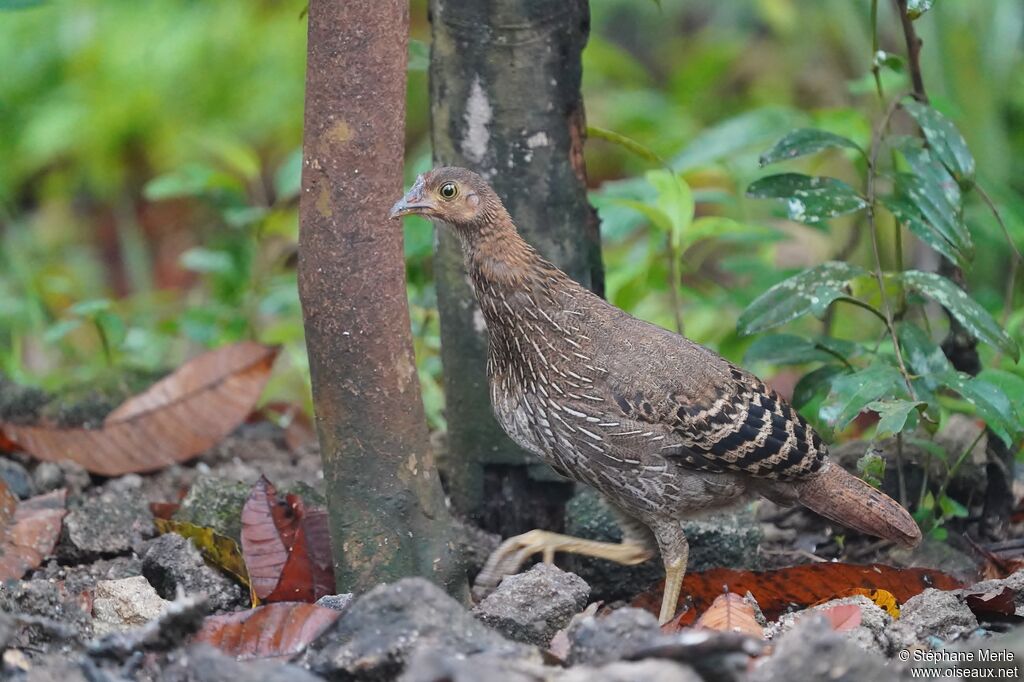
449	191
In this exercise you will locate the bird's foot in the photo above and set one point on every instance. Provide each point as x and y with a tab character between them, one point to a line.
513	553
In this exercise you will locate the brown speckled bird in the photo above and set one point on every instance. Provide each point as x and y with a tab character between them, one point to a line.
662	427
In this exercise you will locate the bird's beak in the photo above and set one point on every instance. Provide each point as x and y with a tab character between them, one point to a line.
413	202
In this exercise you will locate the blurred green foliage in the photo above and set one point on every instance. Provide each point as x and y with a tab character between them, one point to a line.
150	170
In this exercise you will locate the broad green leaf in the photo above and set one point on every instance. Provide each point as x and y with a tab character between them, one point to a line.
790	349
419	55
989	401
812	290
918	200
198	259
747	130
923	356
625	142
930	170
189	180
720	227
805	141
945	141
916	8
288	177
809	199
1012	385
965	309
655	216
951	508
815	384
675	199
852	393
59	330
895	416
909	215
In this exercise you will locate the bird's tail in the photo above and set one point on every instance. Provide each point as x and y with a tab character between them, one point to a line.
842	497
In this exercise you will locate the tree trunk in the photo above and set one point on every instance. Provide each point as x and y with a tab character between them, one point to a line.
387	511
505	102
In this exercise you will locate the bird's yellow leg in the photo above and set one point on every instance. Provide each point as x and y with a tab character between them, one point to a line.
674	573
514	552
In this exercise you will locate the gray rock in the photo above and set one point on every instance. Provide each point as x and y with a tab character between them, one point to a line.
382	630
215	503
171	562
652	670
49	476
931	614
54	616
531	607
813	652
872	633
17	478
338	602
83	578
105	524
203	663
432	666
597	641
126	603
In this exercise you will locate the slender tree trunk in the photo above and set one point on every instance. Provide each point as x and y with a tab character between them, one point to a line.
387	510
505	102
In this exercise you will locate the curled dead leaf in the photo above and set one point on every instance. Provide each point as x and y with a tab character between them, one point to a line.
796	587
279	630
218	550
174	420
29	530
731	613
286	546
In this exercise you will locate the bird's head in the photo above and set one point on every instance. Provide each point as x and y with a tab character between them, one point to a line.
455	196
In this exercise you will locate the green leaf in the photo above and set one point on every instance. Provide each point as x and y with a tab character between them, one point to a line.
198	259
923	356
966	310
1011	384
90	308
891	61
288	177
852	393
895	416
931	171
951	508
812	290
815	384
809	199
790	349
989	401
945	141
625	142
190	180
726	139
871	468
919	199
59	330
916	8
655	216
675	200
805	141
720	227
419	55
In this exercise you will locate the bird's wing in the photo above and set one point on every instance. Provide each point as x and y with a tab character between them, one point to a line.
721	417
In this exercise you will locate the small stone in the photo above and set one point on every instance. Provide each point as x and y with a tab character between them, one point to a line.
53	475
203	663
812	652
338	602
432	666
215	503
58	615
531	607
122	604
382	630
171	562
872	633
932	614
105	524
17	478
597	641
651	670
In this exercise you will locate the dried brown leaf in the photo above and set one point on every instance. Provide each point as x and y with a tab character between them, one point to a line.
279	630
731	613
174	420
29	530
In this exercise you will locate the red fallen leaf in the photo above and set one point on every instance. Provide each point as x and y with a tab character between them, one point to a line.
994	605
731	613
8	445
795	587
286	546
279	630
843	617
29	530
174	420
164	510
